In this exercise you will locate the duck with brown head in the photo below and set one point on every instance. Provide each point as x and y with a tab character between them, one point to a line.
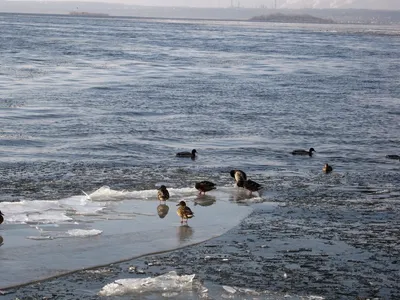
239	176
163	193
327	168
184	211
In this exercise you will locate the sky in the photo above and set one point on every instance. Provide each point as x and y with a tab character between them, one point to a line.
370	4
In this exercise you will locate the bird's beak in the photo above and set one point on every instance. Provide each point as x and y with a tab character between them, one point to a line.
178	204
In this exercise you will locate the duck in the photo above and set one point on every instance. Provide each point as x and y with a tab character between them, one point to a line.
1	217
163	193
252	186
304	152
184	211
162	210
393	156
327	168
187	154
239	176
205	186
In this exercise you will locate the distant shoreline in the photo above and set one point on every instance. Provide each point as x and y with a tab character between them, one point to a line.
94	15
295	18
87	14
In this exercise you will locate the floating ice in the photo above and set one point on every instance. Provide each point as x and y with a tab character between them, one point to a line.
34	211
83	232
105	193
166	283
40	237
229	289
82	206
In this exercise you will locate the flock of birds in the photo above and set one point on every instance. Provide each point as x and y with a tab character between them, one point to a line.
185	213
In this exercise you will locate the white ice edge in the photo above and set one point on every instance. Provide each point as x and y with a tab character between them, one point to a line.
166	283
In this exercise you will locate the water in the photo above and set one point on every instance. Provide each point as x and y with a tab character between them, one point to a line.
87	103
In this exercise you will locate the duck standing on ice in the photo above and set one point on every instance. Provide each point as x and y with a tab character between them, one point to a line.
184	211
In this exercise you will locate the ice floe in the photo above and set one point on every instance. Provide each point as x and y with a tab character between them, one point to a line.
83	232
167	283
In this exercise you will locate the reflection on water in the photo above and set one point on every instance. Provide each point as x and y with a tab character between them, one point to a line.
162	210
205	200
1	240
184	233
241	195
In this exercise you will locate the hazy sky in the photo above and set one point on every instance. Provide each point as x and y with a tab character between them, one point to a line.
371	4
186	3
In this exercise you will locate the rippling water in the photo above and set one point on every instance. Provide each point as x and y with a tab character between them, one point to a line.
87	102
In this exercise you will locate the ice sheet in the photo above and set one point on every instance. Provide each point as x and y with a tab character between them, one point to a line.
54	237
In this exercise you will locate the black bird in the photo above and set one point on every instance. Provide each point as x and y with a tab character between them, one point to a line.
393	156
303	152
252	186
187	154
184	211
205	186
239	176
1	217
163	193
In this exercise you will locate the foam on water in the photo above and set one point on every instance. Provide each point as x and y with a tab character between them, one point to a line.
82	231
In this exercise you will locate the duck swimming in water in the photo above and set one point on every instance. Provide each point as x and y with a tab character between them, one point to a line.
393	156
163	193
187	154
205	186
303	152
184	211
327	168
252	186
239	176
1	217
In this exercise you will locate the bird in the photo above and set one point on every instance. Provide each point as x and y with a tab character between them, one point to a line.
239	176
205	186
303	152
327	168
163	193
1	217
184	211
393	156
187	154
162	210
252	186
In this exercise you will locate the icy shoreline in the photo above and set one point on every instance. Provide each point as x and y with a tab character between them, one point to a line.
268	256
59	240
